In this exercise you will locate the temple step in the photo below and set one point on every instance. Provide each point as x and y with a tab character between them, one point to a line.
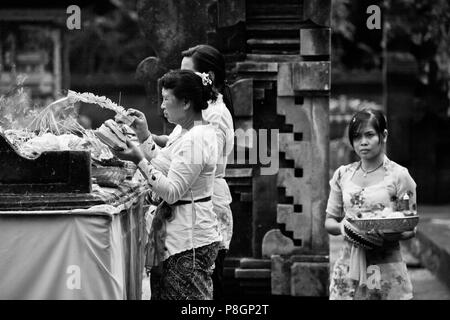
252	273
279	42
274	10
251	263
273	57
257	67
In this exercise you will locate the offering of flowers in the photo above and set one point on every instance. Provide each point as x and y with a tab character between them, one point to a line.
103	102
32	130
386	213
386	220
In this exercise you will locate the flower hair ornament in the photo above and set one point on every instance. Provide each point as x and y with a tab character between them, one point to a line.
206	80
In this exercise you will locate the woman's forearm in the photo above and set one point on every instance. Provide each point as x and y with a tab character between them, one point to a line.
333	226
161	141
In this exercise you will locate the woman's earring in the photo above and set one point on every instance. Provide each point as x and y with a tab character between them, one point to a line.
212	76
187	104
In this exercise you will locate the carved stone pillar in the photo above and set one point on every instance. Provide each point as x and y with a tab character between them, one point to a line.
299	248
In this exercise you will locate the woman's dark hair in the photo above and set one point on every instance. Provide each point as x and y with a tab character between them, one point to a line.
206	59
187	85
375	118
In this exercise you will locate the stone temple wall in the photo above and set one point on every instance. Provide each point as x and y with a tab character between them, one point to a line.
278	57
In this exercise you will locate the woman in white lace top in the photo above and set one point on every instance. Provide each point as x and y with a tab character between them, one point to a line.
182	174
207	59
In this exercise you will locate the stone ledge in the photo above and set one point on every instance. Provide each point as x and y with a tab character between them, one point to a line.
310	279
296	276
251	263
432	247
252	66
252	273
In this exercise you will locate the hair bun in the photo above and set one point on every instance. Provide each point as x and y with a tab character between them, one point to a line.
208	94
192	86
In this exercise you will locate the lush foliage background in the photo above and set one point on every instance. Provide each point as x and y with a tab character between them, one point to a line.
421	28
109	42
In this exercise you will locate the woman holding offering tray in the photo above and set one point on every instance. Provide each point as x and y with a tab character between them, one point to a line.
370	265
182	174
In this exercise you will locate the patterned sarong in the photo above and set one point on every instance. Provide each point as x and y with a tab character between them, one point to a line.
185	275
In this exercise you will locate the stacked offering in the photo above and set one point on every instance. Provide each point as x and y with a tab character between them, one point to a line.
386	220
113	135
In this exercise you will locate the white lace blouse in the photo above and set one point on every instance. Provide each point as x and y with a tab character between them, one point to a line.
220	117
184	170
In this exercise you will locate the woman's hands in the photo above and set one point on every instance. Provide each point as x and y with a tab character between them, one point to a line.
393	237
132	153
139	125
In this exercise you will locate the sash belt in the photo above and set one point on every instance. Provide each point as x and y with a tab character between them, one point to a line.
182	202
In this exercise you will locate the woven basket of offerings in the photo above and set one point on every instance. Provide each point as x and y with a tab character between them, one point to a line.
386	220
361	238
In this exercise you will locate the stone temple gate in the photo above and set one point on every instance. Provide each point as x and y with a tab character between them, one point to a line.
278	60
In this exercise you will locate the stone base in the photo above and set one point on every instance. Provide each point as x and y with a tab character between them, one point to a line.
310	279
432	247
300	276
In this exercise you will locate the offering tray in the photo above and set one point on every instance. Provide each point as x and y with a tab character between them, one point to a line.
388	224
